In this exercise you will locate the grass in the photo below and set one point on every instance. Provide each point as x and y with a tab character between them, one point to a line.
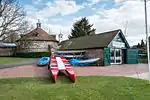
11	60
85	88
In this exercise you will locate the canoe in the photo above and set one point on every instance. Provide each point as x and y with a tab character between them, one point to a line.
83	62
71	73
60	64
69	69
54	69
43	61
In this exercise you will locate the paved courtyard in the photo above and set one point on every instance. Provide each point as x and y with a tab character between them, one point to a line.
113	70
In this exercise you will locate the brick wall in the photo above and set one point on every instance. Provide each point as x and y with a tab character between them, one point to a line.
4	51
96	53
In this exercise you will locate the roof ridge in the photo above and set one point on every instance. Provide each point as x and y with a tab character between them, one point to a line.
38	34
96	34
42	30
108	31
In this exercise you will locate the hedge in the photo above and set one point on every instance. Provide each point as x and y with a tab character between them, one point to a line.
32	54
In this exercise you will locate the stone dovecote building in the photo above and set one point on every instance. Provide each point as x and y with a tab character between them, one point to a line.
36	41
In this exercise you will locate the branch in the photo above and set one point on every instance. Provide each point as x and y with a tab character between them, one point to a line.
12	16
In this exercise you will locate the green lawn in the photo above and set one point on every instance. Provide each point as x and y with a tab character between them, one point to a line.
11	60
85	88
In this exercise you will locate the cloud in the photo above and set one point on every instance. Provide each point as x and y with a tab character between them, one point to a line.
31	13
56	19
57	29
95	1
103	19
90	3
115	18
62	7
37	2
119	1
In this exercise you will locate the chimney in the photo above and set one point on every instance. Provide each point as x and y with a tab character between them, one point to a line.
38	24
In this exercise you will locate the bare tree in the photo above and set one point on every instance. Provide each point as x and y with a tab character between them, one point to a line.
12	19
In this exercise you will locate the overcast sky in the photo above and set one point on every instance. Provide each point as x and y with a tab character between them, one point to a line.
106	15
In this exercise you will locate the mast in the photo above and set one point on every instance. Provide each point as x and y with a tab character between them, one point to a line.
125	30
147	40
60	36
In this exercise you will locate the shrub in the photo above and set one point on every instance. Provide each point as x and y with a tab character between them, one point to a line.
143	60
32	54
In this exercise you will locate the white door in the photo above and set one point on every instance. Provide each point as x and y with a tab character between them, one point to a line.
116	56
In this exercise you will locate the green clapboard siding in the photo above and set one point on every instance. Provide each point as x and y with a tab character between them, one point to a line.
106	56
131	56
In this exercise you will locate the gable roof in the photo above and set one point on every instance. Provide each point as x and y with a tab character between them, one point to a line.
38	34
7	45
95	41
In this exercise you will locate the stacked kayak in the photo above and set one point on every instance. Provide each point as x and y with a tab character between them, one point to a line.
61	64
86	62
43	61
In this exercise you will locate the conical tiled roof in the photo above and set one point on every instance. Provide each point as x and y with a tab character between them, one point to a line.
38	34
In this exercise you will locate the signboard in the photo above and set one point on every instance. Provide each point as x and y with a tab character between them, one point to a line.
118	44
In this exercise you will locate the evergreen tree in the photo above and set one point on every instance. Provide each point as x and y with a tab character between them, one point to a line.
138	46
142	43
81	28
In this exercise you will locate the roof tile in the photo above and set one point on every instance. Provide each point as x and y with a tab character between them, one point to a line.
94	41
38	34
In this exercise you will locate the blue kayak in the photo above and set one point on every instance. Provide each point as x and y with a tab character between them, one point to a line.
43	61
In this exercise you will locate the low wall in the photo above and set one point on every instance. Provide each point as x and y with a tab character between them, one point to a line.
7	51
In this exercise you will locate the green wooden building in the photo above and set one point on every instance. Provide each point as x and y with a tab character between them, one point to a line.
111	47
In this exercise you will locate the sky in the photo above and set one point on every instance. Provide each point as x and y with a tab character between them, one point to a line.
59	15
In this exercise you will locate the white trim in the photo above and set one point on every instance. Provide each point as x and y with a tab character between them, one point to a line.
61	65
114	37
124	40
72	56
71	51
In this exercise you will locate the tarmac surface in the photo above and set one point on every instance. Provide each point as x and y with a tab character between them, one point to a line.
127	70
30	62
